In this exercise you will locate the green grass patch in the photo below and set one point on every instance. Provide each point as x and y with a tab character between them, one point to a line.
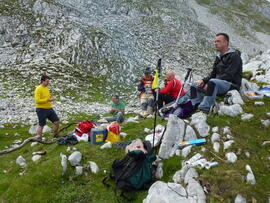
43	181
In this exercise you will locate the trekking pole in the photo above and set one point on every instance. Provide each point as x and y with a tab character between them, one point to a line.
157	75
186	77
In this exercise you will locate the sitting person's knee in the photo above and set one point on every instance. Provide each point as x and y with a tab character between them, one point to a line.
210	88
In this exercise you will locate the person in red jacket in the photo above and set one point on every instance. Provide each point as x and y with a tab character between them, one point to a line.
171	90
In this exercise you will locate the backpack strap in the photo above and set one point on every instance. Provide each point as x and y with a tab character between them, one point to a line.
104	181
130	199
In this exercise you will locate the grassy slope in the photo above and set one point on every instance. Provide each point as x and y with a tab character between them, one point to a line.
44	183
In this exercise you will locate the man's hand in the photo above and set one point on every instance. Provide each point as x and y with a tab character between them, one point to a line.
200	83
51	99
114	109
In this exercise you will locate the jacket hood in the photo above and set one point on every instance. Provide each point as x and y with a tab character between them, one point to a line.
230	50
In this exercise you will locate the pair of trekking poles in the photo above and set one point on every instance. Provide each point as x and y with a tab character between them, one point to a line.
173	104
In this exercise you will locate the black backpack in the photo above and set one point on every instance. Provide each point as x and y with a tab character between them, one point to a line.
135	170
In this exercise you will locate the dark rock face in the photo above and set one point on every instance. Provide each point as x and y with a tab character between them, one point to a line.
98	42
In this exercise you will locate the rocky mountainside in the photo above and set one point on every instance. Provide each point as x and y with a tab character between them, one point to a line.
92	47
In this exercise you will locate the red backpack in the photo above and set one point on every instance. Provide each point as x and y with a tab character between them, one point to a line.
84	127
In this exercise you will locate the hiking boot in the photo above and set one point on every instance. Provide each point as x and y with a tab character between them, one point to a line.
214	109
160	113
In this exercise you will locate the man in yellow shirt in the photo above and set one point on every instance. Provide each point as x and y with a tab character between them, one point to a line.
44	108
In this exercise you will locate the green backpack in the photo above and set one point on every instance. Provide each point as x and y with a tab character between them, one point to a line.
135	170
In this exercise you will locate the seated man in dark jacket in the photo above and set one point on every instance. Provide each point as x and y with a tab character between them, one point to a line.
226	75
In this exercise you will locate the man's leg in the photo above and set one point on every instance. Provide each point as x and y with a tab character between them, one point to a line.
195	94
41	114
150	107
143	103
110	119
55	120
55	128
39	131
215	87
120	117
164	98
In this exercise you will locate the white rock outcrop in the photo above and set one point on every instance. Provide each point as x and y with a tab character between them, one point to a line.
75	158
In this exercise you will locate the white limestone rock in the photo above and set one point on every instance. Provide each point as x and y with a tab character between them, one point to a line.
161	192
190	134
244	57
46	129
216	146
246	116
227	144
247	154
33	130
265	142
231	157
36	157
132	120
198	120
191	174
240	199
34	144
159	171
179	176
229	137
173	135
122	134
93	167
63	163
106	145
78	170
226	130
185	151
75	158
215	129
248	86
252	66
195	191
215	137
157	138
235	97
258	103
266	123
147	130
250	176
232	110
21	161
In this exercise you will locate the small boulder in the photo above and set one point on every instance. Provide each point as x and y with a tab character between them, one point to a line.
93	167
36	157
21	161
79	170
231	157
75	158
